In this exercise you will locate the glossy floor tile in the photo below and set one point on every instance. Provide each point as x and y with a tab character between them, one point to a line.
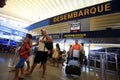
52	73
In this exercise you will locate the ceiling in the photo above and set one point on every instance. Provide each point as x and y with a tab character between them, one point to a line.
31	11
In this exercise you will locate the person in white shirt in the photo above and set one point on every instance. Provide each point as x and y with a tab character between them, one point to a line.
42	53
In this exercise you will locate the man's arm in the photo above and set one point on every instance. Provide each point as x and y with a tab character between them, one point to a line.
36	44
49	39
80	48
72	50
30	42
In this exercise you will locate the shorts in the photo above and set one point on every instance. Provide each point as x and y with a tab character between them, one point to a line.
20	64
41	56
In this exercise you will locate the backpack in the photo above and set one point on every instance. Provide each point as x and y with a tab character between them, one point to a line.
49	46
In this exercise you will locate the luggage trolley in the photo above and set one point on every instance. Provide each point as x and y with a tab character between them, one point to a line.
13	61
73	67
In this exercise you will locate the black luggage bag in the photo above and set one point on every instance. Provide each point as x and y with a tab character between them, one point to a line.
73	70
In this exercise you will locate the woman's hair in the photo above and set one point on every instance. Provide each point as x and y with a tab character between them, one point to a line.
29	36
57	46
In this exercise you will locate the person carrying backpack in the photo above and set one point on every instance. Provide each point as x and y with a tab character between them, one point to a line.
42	53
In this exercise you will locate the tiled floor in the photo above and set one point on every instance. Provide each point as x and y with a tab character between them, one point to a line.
52	73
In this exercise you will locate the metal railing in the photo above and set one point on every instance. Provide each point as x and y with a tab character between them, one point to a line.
105	62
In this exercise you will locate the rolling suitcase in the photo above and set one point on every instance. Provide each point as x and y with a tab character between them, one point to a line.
73	69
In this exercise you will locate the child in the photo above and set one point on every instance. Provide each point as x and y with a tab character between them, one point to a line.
25	48
29	40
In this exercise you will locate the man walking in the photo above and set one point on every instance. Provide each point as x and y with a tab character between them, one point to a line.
42	53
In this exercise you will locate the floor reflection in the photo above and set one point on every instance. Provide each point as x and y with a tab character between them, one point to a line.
52	73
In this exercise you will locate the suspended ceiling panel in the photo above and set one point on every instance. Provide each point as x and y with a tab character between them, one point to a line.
37	10
52	29
105	21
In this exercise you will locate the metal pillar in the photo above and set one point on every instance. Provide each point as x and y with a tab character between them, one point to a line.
102	65
106	60
116	61
95	60
88	62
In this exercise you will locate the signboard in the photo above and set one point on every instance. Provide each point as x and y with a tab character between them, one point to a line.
75	27
96	10
94	34
78	35
55	36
